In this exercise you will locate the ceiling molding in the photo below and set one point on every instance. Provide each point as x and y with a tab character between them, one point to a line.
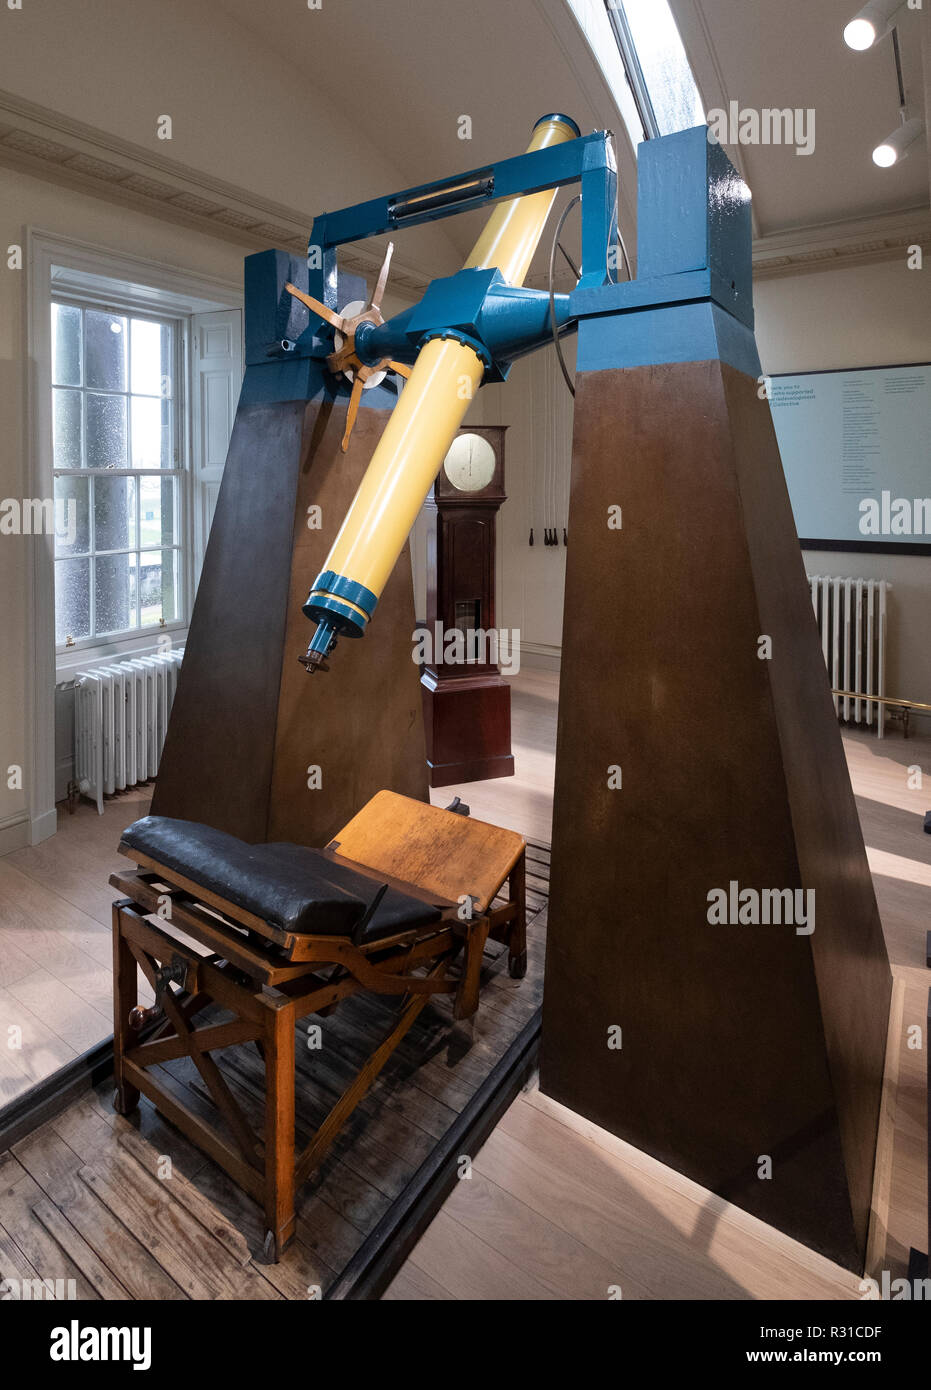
832	245
39	141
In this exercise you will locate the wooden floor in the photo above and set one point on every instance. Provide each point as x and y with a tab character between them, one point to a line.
55	951
558	1208
56	956
555	1208
127	1208
523	802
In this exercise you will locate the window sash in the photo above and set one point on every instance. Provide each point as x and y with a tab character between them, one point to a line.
178	551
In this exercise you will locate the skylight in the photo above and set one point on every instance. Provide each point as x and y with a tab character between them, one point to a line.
638	48
661	78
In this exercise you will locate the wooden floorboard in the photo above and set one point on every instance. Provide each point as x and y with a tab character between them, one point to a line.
555	1208
667	1238
130	1209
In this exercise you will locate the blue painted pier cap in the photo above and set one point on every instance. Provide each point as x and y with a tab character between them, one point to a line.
693	296
693	213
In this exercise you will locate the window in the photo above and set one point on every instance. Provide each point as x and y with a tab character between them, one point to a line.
657	67
638	48
672	99
120	484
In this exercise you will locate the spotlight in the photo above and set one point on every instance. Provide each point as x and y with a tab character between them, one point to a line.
871	24
859	34
898	144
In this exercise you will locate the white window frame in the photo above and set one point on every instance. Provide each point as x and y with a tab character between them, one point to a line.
57	264
591	17
180	470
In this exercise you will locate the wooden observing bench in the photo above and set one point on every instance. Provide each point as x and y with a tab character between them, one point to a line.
219	952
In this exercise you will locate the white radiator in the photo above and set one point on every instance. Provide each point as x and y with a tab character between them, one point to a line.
120	721
851	615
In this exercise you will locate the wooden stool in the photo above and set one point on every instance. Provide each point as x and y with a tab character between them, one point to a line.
270	978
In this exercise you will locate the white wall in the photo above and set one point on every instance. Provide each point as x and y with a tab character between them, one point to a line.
30	202
536	406
862	316
238	110
240	113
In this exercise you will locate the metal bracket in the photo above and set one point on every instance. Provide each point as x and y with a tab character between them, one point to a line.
174	973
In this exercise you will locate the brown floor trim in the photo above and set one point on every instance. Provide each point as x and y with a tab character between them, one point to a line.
381	1255
49	1097
55	1093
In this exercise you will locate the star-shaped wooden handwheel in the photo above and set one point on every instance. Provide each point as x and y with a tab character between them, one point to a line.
344	360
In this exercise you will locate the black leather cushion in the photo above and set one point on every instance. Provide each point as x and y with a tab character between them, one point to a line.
289	886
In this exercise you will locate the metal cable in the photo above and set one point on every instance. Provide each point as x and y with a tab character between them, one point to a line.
559	226
557	245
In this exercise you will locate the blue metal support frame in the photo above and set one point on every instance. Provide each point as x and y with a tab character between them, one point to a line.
588	160
694	237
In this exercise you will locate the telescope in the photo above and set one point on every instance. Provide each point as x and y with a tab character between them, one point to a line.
716	746
466	330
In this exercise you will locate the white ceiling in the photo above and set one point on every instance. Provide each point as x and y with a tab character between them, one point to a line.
404	74
779	53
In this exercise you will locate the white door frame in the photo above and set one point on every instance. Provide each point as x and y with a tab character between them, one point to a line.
151	283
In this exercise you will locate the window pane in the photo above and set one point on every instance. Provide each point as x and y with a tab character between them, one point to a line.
115	578
151	438
158	587
673	94
66	345
114	513
150	364
157	511
72	516
66	429
104	350
105	431
117	538
72	600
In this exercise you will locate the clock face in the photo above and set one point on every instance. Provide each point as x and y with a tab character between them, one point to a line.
470	463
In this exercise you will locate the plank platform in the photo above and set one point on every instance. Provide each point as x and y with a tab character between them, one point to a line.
128	1208
542	1178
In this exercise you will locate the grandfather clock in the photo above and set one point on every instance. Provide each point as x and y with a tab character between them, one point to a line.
467	704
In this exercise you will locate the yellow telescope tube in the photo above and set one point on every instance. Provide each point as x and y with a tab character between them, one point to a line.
421	429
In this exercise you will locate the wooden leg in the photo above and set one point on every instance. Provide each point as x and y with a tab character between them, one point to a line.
315	1151
467	993
279	1131
517	937
125	1000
